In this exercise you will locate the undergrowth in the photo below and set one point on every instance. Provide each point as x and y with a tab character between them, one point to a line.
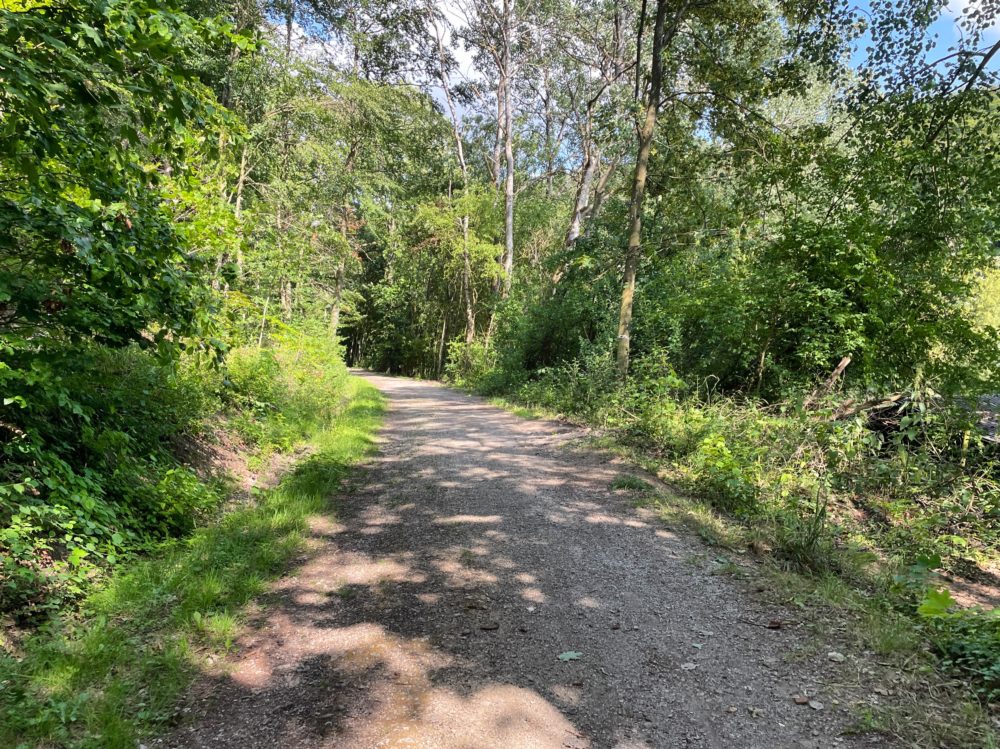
96	471
108	675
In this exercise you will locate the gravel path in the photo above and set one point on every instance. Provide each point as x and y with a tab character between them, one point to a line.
480	547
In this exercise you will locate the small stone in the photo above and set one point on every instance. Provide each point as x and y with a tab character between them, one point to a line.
836	657
800	699
774	624
815	704
489	626
689	666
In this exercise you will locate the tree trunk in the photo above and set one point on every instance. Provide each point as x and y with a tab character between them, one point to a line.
508	148
240	186
645	132
286	299
549	146
440	354
470	312
498	142
581	205
263	322
590	161
338	291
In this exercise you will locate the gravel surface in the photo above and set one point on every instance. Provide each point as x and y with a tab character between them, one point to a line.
478	549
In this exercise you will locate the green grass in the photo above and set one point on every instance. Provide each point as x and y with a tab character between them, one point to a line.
521	411
632	484
114	673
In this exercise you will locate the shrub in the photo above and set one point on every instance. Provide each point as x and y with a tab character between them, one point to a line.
253	381
278	396
910	480
89	475
471	365
968	641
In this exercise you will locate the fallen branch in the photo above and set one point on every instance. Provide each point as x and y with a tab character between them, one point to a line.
850	408
827	386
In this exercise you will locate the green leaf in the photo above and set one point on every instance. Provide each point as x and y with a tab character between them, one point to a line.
91	32
77	556
936	603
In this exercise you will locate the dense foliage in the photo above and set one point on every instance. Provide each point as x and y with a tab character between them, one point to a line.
145	227
108	678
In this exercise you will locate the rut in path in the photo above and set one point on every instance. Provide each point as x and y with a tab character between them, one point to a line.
478	548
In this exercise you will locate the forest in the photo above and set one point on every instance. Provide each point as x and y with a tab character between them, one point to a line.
751	243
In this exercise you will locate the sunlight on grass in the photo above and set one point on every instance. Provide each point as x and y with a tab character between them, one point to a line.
114	675
632	484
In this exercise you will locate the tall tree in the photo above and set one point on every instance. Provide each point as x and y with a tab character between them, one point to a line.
457	133
645	129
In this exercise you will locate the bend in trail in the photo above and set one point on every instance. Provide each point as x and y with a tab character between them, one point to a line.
480	548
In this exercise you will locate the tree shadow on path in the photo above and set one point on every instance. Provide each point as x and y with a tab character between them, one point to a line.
431	612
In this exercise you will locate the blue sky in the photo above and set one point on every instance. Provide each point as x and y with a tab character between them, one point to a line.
948	29
948	24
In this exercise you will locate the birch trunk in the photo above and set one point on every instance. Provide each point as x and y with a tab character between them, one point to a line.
508	148
470	312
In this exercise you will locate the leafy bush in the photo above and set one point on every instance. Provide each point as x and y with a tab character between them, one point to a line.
112	676
253	380
470	364
911	480
969	644
968	641
728	480
278	396
89	475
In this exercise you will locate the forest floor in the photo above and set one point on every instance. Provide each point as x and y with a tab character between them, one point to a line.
483	586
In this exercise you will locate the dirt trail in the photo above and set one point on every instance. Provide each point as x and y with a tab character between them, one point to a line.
479	548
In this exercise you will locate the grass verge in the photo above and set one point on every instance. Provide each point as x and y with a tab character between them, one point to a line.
113	673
